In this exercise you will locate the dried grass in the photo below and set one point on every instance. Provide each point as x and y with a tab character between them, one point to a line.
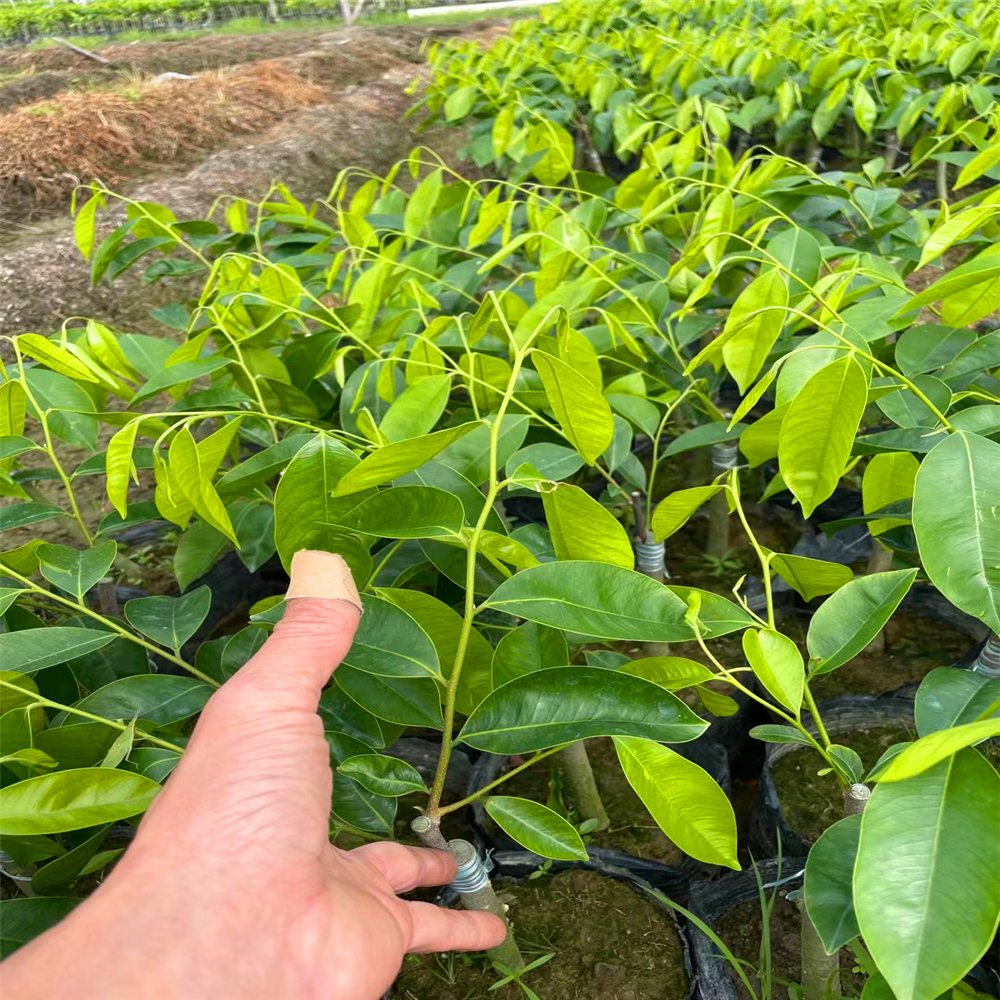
49	147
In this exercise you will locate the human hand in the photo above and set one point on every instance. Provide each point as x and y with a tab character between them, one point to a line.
232	888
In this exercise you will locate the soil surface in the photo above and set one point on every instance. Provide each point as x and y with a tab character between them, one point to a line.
606	942
740	929
813	802
632	829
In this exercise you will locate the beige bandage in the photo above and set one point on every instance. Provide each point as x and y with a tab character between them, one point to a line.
324	575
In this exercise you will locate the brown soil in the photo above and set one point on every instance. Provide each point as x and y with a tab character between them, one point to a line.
740	930
632	829
607	942
43	278
812	802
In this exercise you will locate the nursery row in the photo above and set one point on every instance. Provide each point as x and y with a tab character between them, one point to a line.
512	405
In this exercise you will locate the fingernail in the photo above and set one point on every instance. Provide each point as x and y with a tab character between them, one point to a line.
324	575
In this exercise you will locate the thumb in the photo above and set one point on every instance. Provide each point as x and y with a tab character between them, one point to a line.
317	629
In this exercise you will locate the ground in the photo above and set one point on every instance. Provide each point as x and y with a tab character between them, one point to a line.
346	97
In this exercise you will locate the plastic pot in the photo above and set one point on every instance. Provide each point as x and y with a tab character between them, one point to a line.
846	714
708	753
709	901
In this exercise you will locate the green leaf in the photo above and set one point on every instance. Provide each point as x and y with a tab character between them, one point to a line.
469	457
405	701
553	461
779	734
263	466
77	746
582	412
594	599
170	621
865	111
777	664
183	371
161	698
951	697
305	512
956	518
73	800
671	672
390	643
567	704
967	292
420	207
675	510
444	628
76	570
18	515
23	919
753	326
196	551
848	620
716	615
931	749
811	577
582	529
13	445
927	921
417	409
885	758
905	409
925	347
407	512
30	650
457	105
686	802
828	893
888	479
715	432
817	434
54	877
528	648
118	465
536	827
557	149
383	775
394	460
351	802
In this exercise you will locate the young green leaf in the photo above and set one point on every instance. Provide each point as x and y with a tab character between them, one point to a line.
849	619
582	529
935	747
406	512
686	802
777	664
956	518
810	577
949	696
76	570
817	434
675	510
582	412
536	827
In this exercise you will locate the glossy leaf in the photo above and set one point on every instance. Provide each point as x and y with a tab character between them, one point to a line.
594	599
817	434
777	664
444	628
417	409
753	326
888	478
935	747
671	672
30	650
351	802
160	698
170	621
404	701
566	704
536	827
390	643
72	800
927	876
406	512
527	648
779	734
76	570
951	697
717	615
810	577
584	530
686	802
675	510
827	889
383	775
582	412
54	877
849	619
956	518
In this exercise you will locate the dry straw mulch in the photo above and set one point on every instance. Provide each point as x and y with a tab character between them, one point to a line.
49	147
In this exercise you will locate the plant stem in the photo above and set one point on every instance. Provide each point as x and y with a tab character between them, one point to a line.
820	971
880	561
111	626
454	806
434	802
765	564
814	712
139	733
580	776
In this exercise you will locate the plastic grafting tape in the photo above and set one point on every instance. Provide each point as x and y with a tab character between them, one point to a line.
472	875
